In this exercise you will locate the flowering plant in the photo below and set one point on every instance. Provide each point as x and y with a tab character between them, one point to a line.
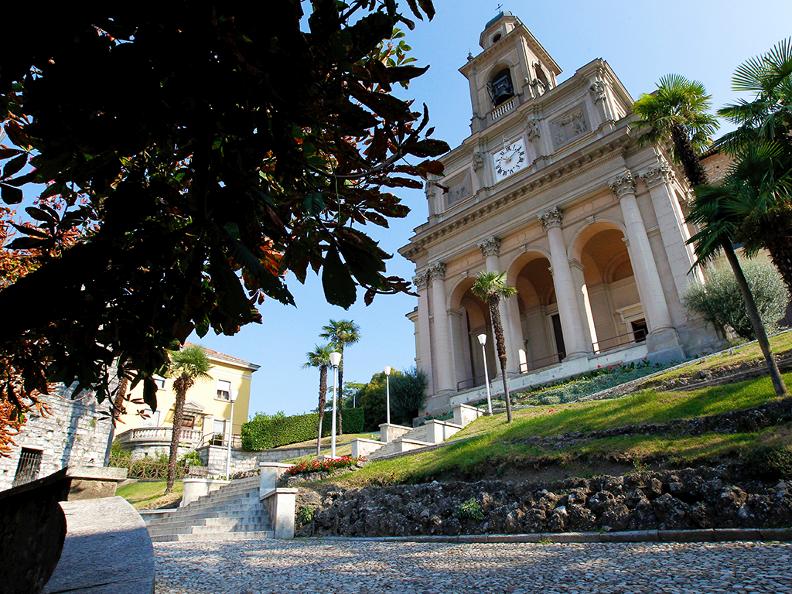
323	465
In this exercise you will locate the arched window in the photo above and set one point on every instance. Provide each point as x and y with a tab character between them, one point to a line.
500	87
496	38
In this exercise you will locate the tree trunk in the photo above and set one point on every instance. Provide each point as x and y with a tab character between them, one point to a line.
340	394
780	249
322	403
691	163
116	411
756	320
500	344
181	385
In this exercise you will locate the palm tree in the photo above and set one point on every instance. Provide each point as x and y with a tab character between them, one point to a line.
186	366
320	357
491	287
763	126
340	333
678	109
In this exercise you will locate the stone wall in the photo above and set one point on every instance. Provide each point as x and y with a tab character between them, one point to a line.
672	499
73	433
214	458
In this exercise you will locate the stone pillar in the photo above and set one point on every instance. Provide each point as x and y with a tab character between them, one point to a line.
460	338
424	353
490	249
671	222
584	304
441	345
572	324
662	339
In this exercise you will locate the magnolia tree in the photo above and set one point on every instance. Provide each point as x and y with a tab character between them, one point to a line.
201	151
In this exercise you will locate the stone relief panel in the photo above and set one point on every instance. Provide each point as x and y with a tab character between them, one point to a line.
569	125
459	188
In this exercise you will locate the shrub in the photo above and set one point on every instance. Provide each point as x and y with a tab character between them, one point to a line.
719	300
305	515
771	462
191	459
148	467
271	431
407	395
470	510
324	465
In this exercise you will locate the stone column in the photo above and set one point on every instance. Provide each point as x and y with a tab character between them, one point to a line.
424	345
572	324
490	249
584	303
460	339
662	337
671	223
441	345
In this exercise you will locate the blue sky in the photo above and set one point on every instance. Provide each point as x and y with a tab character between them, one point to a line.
702	39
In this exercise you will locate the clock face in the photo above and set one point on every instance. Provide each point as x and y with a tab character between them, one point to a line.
509	160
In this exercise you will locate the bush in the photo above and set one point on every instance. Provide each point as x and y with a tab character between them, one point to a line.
470	510
324	465
771	462
305	515
148	467
264	432
407	395
191	459
720	302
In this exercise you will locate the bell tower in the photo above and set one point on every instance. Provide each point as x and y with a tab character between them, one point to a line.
512	68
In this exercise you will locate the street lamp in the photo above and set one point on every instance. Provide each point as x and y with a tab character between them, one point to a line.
232	396
482	338
387	393
335	360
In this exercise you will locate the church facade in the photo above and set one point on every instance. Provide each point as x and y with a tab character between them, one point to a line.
553	188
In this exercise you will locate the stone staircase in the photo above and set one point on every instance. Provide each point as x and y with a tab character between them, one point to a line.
232	512
397	439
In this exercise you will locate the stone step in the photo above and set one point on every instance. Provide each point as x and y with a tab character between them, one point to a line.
215	521
255	535
211	513
242	527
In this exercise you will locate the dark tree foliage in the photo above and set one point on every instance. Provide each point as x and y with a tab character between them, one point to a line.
204	150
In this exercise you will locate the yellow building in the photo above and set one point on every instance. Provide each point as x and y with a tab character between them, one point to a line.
207	409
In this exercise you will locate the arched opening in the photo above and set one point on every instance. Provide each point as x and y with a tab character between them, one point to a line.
543	340
500	87
496	38
614	305
469	318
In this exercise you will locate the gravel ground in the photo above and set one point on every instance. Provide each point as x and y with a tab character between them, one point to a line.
369	566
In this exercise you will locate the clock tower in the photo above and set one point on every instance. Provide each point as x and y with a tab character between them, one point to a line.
512	68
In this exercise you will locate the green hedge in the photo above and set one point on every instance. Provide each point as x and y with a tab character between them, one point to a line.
264	431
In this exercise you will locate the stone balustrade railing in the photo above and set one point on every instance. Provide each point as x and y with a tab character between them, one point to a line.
159	434
503	109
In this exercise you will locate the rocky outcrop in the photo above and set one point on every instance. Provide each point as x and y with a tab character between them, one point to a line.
688	498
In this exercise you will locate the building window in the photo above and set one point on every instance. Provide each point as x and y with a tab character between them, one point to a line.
188	422
28	466
160	381
224	390
639	330
496	38
501	88
218	432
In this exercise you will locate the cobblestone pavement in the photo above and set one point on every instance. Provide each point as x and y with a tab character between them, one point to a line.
370	566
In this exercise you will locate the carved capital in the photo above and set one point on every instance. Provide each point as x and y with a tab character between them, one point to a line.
478	160
597	90
420	280
532	127
659	174
436	270
490	247
552	218
623	184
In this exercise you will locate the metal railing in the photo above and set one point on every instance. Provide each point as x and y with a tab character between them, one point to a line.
617	341
219	439
541	363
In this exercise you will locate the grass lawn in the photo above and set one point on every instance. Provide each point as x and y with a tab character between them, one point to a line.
780	343
150	494
492	443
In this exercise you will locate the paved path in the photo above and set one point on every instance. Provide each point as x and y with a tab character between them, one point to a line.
343	566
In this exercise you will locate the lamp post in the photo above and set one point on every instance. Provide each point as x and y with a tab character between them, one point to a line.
335	359
232	396
482	338
387	393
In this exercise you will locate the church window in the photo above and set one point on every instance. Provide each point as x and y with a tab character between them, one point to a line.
496	38
500	88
